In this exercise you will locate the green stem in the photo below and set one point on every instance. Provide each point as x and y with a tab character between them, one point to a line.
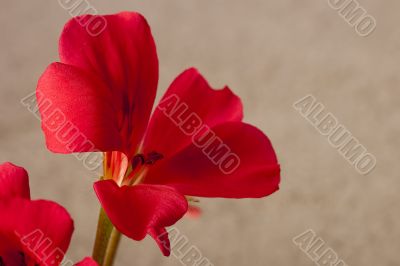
107	236
104	229
112	248
106	243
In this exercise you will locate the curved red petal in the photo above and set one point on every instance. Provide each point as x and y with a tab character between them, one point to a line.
75	110
239	162
123	55
40	229
88	261
142	209
160	235
14	182
188	103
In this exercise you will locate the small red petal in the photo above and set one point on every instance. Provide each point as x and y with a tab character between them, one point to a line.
142	209
87	262
160	235
14	182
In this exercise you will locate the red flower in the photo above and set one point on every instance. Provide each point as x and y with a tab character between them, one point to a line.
195	144
32	232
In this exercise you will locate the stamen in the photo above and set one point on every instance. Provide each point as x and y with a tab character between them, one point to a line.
137	159
153	156
139	164
141	159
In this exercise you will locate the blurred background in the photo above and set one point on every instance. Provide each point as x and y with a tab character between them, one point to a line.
270	53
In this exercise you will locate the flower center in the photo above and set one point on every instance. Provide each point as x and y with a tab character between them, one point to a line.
139	167
128	172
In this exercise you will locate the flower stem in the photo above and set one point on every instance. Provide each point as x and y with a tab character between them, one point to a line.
106	243
107	236
112	247
104	228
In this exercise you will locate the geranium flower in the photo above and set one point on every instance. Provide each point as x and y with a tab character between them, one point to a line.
195	144
32	232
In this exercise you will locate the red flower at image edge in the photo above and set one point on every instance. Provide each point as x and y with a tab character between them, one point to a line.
100	97
32	232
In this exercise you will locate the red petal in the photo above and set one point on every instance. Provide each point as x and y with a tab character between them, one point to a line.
41	229
141	209
87	262
192	172
76	113
189	97
14	182
124	57
160	235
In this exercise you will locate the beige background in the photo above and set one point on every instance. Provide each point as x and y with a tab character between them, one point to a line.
271	53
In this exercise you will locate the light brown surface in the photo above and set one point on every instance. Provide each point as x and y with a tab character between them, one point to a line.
271	53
